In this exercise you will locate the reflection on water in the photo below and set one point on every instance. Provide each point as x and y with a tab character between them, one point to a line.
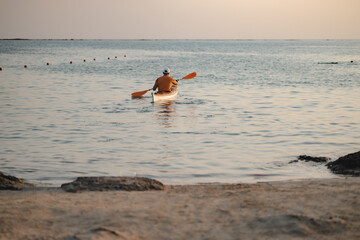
165	113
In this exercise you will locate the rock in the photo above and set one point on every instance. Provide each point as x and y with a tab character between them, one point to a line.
8	182
311	159
112	183
347	165
328	62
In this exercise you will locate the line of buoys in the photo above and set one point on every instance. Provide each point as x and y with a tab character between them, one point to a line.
334	62
71	62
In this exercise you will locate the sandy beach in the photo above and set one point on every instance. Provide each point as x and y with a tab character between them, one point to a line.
307	209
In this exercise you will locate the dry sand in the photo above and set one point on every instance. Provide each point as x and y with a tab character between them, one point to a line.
309	209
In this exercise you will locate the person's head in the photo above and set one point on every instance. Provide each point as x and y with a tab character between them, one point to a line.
166	71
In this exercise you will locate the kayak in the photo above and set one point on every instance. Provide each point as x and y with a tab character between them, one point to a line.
164	96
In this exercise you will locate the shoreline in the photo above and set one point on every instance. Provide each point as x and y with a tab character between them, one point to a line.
302	209
186	39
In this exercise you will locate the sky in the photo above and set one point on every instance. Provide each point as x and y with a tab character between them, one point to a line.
180	19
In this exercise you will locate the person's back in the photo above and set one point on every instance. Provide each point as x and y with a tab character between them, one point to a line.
164	83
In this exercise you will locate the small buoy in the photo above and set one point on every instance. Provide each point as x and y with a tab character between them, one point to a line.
84	60
47	64
70	62
25	66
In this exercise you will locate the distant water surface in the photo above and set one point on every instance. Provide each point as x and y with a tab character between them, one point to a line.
254	106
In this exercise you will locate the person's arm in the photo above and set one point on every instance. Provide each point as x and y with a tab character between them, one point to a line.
155	85
174	81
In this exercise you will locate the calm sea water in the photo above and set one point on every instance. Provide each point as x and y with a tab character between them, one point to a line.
254	106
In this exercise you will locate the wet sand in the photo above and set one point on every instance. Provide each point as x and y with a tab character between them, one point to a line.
308	209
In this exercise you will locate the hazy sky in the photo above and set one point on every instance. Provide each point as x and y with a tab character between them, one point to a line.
199	19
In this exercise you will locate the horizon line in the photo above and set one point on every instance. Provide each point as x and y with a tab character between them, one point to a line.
155	39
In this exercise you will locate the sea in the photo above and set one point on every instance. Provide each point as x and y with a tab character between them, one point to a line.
66	109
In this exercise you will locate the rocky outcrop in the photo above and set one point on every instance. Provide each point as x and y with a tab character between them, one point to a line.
112	183
8	182
307	158
347	165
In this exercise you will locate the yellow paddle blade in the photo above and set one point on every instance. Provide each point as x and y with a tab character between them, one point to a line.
138	94
190	76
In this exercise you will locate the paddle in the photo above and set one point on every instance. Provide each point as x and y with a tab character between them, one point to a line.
139	94
190	76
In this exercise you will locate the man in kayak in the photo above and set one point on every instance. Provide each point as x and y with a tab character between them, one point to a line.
164	83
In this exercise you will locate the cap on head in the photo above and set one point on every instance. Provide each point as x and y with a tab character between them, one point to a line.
166	71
